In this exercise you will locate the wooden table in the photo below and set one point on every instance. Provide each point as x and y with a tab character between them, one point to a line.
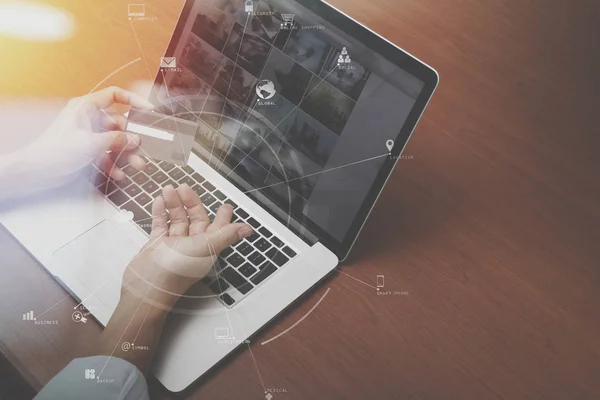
491	225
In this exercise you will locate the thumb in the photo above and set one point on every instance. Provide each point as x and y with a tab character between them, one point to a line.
114	141
227	236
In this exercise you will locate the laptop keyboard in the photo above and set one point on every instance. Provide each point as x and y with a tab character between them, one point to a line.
240	268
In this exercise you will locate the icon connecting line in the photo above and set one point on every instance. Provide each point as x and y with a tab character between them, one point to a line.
299	321
316	173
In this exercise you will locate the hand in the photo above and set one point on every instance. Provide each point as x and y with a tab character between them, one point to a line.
87	131
182	252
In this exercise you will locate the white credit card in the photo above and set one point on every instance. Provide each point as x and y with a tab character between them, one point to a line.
163	137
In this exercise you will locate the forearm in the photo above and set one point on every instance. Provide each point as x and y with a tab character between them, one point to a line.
135	328
17	174
133	331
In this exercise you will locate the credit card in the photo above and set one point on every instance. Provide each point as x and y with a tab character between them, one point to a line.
163	137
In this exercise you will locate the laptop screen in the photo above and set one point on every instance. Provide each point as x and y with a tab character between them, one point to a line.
298	114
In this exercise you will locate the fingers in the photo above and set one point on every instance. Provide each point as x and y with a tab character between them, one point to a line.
107	164
159	219
198	217
115	95
179	216
226	236
112	121
136	161
223	217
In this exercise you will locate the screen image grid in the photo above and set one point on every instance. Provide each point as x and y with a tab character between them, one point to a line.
221	65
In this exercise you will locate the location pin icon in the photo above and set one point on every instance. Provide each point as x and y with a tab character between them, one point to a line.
390	145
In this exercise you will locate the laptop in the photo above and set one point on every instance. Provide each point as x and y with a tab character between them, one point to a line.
298	116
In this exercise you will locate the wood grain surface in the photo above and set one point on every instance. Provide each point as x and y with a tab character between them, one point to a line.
488	231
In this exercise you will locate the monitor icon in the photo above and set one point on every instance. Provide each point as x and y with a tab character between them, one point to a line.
222	333
136	10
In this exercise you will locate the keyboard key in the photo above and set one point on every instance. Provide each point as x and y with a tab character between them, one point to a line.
256	258
265	271
243	214
247	270
139	215
231	203
149	209
215	206
236	260
133	190
186	179
277	257
172	183
207	199
291	253
111	187
99	179
219	286
265	232
219	195
166	166
140	178
197	177
121	160
227	252
176	173
160	177
209	186
254	223
188	169
244	248
227	299
151	169
123	183
143	199
236	280
199	190
150	187
219	264
130	171
262	244
102	188
252	238
277	242
118	198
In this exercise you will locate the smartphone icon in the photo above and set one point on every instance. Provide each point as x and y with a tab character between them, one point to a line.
380	281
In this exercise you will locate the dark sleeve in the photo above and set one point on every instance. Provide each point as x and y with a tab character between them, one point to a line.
96	378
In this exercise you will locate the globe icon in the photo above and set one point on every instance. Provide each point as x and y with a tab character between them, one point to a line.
265	89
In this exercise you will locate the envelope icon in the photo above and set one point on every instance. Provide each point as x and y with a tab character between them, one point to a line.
168	62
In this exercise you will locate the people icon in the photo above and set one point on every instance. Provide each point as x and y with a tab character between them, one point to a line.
344	57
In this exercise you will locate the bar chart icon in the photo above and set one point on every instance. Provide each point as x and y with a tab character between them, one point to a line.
28	316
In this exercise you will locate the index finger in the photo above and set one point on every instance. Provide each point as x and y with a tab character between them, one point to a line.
115	95
199	219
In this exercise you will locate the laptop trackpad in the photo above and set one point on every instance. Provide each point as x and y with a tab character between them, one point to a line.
92	265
